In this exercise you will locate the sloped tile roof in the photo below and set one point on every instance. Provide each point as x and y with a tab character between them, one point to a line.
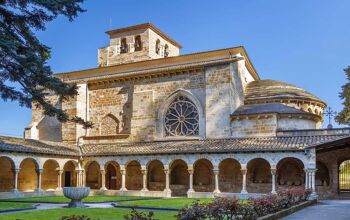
267	144
287	143
34	146
252	109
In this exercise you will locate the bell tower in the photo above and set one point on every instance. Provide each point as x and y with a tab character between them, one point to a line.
137	43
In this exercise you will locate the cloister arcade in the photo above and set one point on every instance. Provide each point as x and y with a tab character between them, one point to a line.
163	176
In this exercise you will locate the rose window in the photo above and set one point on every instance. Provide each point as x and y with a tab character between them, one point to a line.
181	118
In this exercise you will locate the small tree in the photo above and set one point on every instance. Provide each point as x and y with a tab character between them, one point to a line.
24	73
344	116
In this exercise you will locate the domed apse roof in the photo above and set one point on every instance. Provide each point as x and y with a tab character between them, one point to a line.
263	90
268	108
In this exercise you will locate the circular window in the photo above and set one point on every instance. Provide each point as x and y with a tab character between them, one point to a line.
181	118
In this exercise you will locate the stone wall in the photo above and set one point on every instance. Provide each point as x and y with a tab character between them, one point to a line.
255	127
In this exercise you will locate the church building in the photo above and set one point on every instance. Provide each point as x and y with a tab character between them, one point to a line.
165	124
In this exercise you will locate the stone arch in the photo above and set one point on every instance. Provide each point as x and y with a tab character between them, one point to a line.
110	125
50	175
179	178
170	99
344	176
7	176
203	176
93	175
259	176
113	175
230	176
123	46
134	175
322	175
69	176
138	43
290	173
155	176
28	175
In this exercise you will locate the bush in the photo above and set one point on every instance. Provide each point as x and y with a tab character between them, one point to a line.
76	217
233	208
136	215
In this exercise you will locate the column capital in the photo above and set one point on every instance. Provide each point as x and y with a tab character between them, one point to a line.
273	171
216	171
60	171
244	171
16	170
166	171
39	171
190	170
144	171
103	172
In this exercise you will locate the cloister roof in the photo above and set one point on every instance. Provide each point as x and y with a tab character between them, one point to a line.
266	108
13	144
281	143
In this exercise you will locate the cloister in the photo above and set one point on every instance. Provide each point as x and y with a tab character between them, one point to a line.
191	176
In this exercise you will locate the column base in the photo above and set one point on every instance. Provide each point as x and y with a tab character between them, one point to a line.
313	196
103	189
273	192
217	191
39	190
190	193
244	192
15	191
58	189
123	189
144	190
167	193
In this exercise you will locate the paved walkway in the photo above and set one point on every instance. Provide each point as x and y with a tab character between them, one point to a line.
324	210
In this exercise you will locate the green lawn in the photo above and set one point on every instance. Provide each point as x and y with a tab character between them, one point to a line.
101	214
176	203
62	199
11	205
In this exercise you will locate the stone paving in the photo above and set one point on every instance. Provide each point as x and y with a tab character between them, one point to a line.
324	210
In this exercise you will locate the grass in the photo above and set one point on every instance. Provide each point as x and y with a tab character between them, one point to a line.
94	213
62	199
175	203
11	205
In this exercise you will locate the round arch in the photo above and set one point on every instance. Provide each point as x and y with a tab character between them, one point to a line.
93	175
203	176
155	176
28	175
134	175
259	178
290	173
179	177
230	177
322	177
344	176
113	175
69	177
49	175
7	177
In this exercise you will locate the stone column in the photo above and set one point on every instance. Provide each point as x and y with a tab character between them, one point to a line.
59	180
123	172
103	180
244	180
313	185
15	189
306	178
39	172
310	179
190	190
167	190
273	174
216	173
144	179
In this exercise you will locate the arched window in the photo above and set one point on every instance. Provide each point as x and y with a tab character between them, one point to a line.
138	43
181	118
123	46
166	50
158	46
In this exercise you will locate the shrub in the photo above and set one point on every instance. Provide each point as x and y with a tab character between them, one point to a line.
196	211
223	208
136	215
76	217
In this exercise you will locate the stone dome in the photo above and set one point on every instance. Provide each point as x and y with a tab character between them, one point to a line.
272	90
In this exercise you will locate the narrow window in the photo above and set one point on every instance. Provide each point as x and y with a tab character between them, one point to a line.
166	50
158	46
123	46
138	43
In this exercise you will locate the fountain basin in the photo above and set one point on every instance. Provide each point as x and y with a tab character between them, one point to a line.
76	194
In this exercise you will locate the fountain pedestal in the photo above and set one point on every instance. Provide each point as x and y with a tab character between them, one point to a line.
76	194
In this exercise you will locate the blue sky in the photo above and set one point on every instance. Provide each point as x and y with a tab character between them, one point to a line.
303	42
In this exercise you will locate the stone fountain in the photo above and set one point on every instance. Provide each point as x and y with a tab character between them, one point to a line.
76	194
